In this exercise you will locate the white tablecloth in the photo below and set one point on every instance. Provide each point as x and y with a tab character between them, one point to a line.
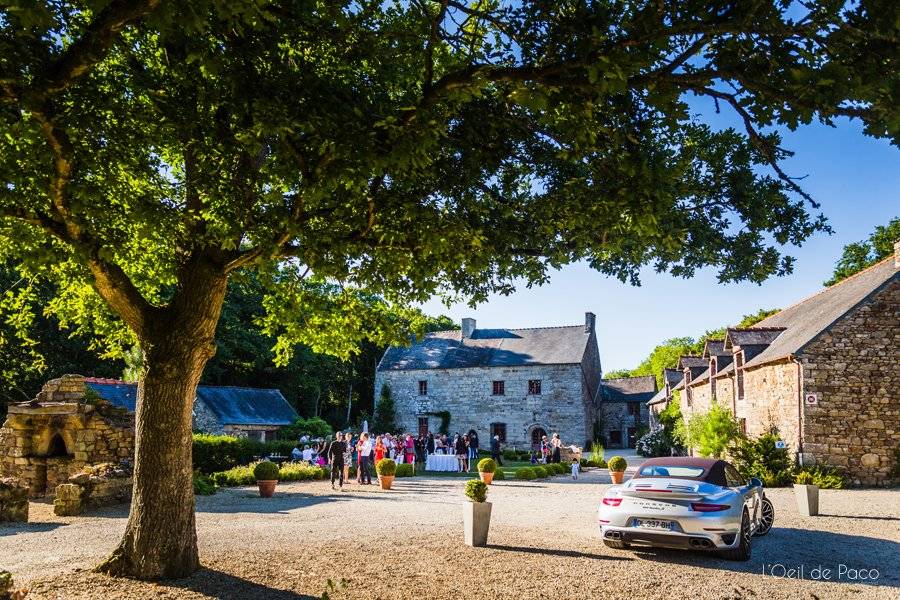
441	462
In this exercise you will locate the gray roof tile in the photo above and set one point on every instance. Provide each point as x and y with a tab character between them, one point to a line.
628	389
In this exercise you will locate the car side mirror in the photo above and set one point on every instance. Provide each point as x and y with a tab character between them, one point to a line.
756	482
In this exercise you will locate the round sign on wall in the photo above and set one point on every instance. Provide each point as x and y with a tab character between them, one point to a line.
812	399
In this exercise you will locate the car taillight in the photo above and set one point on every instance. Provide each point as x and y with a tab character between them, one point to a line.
704	507
612	501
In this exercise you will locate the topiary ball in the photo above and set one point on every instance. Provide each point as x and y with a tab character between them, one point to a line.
525	473
265	471
617	463
476	490
487	465
499	475
386	467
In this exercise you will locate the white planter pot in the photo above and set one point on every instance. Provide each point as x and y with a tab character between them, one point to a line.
476	522
807	499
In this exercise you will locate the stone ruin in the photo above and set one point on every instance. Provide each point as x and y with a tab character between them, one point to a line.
94	486
13	500
66	428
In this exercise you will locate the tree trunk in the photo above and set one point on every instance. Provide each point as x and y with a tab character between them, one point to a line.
160	540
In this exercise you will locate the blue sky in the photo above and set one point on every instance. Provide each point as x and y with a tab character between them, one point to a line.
854	177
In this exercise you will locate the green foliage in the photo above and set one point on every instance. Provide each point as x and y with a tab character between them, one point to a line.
827	478
860	255
760	458
314	427
655	443
386	467
510	454
236	476
476	490
617	463
525	473
405	470
212	453
499	475
597	451
617	374
301	472
385	420
487	465
540	472
594	462
265	471
203	484
710	433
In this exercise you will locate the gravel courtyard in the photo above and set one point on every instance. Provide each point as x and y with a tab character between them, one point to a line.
407	543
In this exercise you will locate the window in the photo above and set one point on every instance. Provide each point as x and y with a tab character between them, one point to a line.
671	471
738	368
499	388
634	409
423	388
423	425
499	429
732	477
534	387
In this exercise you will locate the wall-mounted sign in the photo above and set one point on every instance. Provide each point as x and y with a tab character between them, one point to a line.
780	444
812	399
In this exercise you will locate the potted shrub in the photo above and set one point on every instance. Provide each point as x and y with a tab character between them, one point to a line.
476	514
806	493
386	469
617	466
266	474
486	469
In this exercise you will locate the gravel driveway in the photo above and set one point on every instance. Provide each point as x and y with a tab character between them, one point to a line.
407	543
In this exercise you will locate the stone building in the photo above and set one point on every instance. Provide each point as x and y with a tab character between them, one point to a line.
519	384
659	402
624	410
256	413
45	441
824	372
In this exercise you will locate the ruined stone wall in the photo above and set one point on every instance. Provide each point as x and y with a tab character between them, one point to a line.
45	441
467	395
854	369
771	397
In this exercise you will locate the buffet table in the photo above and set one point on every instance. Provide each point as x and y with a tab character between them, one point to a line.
441	462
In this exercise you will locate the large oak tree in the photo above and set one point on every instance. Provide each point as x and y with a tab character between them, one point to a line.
152	149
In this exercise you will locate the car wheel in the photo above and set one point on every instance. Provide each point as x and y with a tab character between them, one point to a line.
618	545
742	550
766	517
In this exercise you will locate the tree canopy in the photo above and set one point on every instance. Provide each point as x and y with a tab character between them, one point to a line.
152	150
860	255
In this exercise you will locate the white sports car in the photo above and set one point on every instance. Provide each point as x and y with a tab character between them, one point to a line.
684	502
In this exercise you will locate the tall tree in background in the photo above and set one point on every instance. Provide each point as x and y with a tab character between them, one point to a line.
151	151
860	255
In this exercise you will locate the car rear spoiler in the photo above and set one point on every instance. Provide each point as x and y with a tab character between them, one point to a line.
662	490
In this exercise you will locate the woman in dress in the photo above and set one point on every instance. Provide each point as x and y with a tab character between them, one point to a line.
348	456
409	451
555	445
379	449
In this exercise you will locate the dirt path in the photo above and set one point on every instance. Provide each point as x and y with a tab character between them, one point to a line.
407	543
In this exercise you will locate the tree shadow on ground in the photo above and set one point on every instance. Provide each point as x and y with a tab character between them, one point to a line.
280	503
869	517
795	548
556	552
217	584
7	528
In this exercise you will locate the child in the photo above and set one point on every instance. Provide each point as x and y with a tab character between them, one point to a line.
575	467
534	459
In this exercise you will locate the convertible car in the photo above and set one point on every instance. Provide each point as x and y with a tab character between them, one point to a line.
684	502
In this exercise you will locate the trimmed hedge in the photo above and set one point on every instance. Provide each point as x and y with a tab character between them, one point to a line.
617	463
476	490
386	467
215	453
487	465
540	472
404	470
499	475
301	472
525	473
239	476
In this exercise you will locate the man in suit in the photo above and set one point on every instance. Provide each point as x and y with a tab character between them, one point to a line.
336	459
495	449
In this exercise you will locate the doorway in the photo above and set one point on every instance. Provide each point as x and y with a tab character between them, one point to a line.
632	437
536	434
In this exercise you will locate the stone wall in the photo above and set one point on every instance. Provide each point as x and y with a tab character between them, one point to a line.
565	405
771	397
45	441
725	393
854	369
614	416
205	420
701	397
96	486
13	500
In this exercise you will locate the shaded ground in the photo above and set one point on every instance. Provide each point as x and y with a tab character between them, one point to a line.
407	543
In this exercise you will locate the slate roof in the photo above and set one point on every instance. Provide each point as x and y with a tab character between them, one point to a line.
725	371
660	396
757	336
714	348
490	348
231	405
673	376
628	389
806	319
691	361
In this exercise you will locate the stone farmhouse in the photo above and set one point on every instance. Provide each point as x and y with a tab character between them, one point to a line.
624	410
824	372
519	384
256	413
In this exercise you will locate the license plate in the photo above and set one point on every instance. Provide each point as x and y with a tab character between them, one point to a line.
653	524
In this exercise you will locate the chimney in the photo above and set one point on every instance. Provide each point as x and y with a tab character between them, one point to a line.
897	254
589	321
468	328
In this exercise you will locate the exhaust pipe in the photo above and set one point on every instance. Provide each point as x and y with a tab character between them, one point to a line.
614	535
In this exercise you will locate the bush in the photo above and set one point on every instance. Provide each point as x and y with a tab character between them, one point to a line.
476	490
617	463
300	472
525	473
487	465
524	456
499	475
314	427
540	472
713	431
760	458
234	477
510	455
597	451
203	485
215	453
265	471
405	470
386	467
826	478
655	443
